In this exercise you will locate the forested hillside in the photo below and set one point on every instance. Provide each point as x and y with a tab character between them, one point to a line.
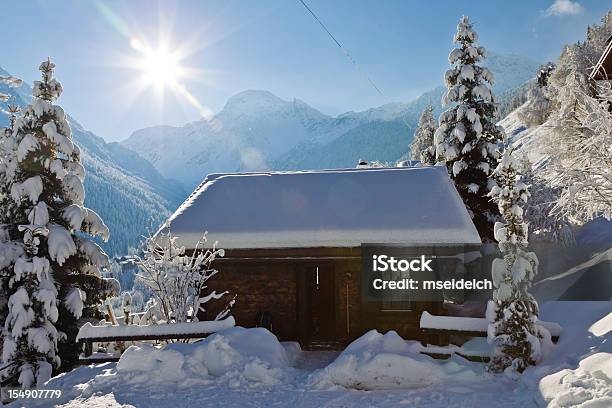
126	190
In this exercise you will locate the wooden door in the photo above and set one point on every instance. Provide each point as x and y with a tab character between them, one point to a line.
317	304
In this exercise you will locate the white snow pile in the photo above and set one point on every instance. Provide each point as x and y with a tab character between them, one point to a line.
237	355
589	385
385	361
578	371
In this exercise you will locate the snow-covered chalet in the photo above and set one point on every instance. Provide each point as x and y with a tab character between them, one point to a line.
293	241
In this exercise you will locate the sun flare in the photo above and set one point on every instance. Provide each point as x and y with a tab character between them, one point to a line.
162	69
160	66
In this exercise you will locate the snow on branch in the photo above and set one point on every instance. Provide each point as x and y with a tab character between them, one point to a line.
579	150
178	279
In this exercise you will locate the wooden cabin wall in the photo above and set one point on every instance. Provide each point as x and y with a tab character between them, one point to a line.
260	288
272	285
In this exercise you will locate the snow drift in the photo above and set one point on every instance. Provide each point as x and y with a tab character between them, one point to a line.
237	355
385	361
589	385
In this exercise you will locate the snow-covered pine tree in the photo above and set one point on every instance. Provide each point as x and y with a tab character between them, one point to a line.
468	138
52	256
422	147
513	312
544	73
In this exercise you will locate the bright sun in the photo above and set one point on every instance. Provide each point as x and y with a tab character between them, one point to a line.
160	66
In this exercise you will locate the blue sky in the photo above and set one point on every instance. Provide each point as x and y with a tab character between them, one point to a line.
274	45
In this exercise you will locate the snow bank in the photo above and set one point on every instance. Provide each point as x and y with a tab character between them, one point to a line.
237	355
573	372
293	350
587	327
590	385
385	361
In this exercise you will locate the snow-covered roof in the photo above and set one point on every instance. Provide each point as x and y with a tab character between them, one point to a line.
325	208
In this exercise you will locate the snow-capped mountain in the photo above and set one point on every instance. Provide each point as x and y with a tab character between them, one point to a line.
253	129
127	191
257	130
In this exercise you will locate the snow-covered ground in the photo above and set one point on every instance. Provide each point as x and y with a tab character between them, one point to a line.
249	368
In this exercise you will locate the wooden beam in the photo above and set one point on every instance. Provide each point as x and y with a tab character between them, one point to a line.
600	71
85	361
446	356
554	339
140	337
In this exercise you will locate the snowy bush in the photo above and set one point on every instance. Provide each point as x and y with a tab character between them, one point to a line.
468	138
178	279
513	312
